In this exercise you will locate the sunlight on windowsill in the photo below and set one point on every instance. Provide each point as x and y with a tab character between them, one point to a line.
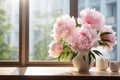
48	70
53	71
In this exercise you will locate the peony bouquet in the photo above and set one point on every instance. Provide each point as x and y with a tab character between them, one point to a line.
72	37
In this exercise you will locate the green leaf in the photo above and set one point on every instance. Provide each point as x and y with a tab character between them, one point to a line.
92	54
73	55
105	40
59	58
106	44
105	33
97	52
78	25
66	56
89	56
101	43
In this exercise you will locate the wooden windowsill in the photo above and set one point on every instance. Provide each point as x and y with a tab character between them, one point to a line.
52	73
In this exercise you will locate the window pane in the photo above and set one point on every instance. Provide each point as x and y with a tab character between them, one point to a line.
43	14
110	9
9	30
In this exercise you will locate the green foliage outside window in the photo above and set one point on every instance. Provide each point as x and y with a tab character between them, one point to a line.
41	53
7	51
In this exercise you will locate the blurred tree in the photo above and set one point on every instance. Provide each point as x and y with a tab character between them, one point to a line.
40	51
7	51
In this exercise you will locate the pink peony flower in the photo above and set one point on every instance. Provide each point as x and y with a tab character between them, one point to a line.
92	17
55	49
83	39
111	37
63	27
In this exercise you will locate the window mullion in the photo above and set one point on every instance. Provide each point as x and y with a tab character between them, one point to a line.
23	31
74	8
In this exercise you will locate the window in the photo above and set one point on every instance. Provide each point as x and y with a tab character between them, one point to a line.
8	26
43	14
26	26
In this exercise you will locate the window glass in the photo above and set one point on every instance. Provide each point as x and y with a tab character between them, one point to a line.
9	26
43	14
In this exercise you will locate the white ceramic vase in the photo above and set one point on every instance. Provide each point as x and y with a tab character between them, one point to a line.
82	64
